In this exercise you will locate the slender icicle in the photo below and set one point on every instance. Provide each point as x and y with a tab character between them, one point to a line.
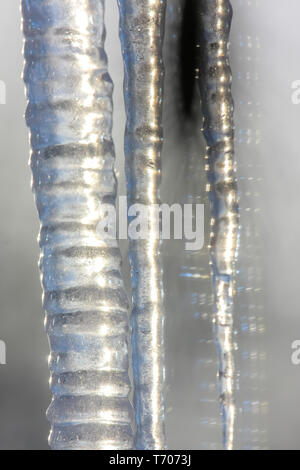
215	85
70	117
141	32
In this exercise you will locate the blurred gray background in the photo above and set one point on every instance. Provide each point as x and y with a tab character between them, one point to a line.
265	61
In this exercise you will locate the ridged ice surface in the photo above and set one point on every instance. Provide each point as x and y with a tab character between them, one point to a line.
70	117
141	32
217	103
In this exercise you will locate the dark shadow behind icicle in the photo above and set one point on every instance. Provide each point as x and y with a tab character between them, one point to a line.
193	417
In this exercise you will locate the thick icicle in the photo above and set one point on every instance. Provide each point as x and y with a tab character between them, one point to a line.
141	32
70	117
215	86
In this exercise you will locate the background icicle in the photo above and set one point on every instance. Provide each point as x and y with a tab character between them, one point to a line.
70	117
217	103
141	32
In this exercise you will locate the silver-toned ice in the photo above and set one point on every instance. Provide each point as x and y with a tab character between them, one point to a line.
217	102
141	32
70	117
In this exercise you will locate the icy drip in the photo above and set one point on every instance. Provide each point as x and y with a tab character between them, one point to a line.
217	105
70	117
141	33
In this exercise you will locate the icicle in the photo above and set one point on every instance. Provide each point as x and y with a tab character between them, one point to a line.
141	32
70	117
215	85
